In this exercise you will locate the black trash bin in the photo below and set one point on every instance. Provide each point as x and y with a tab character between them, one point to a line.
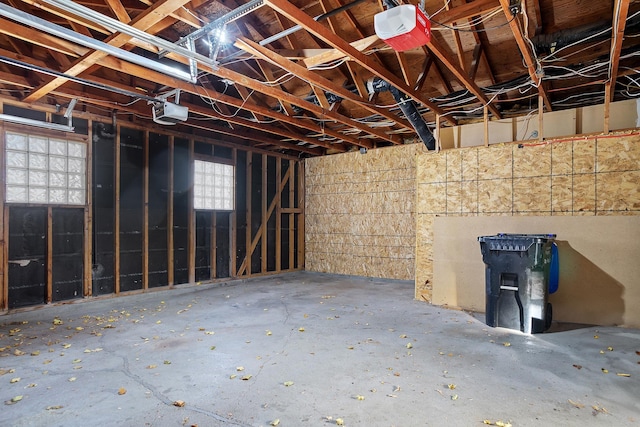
517	280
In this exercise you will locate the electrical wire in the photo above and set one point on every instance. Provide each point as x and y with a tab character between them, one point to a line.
482	30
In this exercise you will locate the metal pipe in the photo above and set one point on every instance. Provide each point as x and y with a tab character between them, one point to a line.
296	28
85	82
37	123
115	25
65	33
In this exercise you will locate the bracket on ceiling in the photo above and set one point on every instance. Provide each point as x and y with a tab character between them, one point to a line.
42	124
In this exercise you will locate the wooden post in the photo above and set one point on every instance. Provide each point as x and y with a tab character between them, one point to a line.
49	256
232	223
540	118
607	106
4	215
88	220
145	212
437	133
116	218
248	251
292	216
301	217
213	247
191	221
486	125
263	247
170	244
278	216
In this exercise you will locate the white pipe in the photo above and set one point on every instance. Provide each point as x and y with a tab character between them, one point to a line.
65	33
115	25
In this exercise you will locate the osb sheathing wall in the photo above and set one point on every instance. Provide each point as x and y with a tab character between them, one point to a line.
579	176
360	213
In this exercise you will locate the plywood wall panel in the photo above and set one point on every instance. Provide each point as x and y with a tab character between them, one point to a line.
469	197
495	196
584	192
360	213
562	158
531	161
561	194
584	156
532	195
469	164
618	154
454	165
495	162
618	191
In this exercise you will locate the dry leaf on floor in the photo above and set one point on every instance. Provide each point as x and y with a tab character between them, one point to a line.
167	362
451	386
301	329
35	353
240	368
605	371
152	366
620	374
576	404
268	332
596	337
610	348
339	421
288	383
409	345
122	391
179	403
577	366
13	400
359	397
275	422
57	321
454	397
232	376
638	352
246	377
51	408
72	379
506	344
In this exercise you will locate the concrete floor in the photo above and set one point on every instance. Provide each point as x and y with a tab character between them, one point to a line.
315	348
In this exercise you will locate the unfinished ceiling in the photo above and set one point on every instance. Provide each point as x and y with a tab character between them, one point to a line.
312	78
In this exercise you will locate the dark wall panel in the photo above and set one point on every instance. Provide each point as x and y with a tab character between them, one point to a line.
241	206
223	247
180	209
103	209
131	212
158	209
67	257
203	245
27	256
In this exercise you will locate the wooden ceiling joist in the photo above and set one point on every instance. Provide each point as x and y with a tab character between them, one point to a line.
618	26
304	20
525	49
317	80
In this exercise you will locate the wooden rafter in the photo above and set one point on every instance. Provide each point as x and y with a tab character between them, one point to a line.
143	22
439	51
466	11
317	80
619	23
526	52
301	18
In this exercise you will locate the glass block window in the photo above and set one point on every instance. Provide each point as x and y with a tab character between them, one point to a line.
213	187
42	170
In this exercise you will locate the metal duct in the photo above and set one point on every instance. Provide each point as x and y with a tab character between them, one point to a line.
408	107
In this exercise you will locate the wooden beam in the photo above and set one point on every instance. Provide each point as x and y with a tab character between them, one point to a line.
466	11
264	218
304	20
213	251
278	248
439	51
292	217
233	231
426	66
540	118
170	215
301	217
87	289
619	23
329	55
404	67
252	243
246	265
526	52
49	257
4	227
191	221
142	22
317	80
475	61
116	218
145	211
